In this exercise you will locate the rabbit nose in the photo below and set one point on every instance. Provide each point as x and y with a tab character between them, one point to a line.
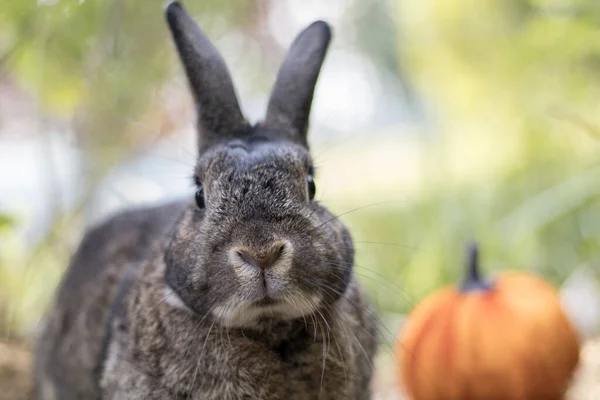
264	258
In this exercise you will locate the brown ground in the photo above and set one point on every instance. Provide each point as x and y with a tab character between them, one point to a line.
15	367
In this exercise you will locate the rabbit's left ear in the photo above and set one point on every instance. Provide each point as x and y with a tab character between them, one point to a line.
289	106
218	110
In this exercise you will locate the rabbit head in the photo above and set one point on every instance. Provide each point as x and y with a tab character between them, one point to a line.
255	244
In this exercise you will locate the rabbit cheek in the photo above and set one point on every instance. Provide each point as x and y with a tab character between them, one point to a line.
172	298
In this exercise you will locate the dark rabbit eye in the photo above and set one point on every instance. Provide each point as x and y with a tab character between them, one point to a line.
312	189
200	196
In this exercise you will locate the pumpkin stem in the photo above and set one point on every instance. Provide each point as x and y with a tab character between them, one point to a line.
473	279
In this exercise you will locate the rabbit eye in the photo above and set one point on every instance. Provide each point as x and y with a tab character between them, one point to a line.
200	196
312	189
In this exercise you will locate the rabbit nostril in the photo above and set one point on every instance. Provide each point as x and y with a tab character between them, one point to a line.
247	258
277	251
274	253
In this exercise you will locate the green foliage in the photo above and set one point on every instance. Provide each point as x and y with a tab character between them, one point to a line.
511	85
100	62
514	86
6	222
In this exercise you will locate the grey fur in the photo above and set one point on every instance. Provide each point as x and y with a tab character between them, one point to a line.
218	111
162	302
292	94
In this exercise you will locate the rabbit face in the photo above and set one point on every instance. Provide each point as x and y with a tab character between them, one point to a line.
260	247
256	245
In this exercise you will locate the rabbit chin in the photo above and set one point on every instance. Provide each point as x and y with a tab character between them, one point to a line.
238	314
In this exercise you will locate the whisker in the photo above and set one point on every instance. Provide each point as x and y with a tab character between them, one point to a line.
199	359
337	344
210	310
325	347
354	210
404	246
358	308
384	280
356	338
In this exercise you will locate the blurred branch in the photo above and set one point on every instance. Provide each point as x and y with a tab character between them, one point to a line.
550	205
5	58
572	117
25	32
6	222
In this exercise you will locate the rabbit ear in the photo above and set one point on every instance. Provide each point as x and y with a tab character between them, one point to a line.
292	94
219	114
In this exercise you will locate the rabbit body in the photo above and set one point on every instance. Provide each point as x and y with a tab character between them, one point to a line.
159	350
166	353
71	349
247	292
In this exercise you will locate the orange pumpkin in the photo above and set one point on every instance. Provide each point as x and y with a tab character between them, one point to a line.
501	339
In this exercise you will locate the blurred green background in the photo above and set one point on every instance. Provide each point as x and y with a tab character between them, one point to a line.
434	122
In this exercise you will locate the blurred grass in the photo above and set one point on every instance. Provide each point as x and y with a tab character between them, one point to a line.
549	227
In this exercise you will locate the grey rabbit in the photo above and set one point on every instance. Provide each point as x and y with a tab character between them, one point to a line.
245	291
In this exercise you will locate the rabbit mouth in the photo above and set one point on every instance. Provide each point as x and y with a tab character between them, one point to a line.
234	314
266	302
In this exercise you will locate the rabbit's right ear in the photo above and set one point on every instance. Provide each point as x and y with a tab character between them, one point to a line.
218	110
289	107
